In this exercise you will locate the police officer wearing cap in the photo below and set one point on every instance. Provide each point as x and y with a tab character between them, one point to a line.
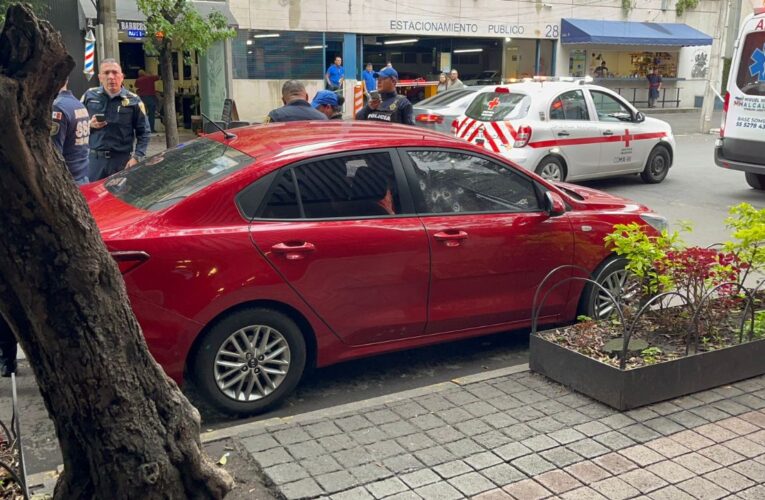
70	131
296	106
391	107
118	122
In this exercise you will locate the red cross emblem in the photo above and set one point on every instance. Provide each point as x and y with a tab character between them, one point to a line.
627	137
493	103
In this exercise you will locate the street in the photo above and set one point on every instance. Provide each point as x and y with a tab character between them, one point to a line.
695	190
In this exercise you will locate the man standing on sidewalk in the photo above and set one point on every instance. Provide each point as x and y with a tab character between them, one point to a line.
144	86
654	86
335	75
71	132
390	107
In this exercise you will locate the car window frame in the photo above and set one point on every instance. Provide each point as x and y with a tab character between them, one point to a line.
586	106
617	98
405	199
414	180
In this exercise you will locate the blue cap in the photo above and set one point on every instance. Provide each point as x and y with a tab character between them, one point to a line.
386	73
324	97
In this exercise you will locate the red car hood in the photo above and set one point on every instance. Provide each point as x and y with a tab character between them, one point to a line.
599	198
112	215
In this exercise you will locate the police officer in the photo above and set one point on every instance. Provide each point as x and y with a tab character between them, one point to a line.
117	121
296	106
391	107
70	131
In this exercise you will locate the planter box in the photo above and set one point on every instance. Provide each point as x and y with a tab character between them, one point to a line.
624	390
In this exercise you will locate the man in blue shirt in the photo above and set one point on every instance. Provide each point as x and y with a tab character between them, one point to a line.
335	74
71	131
370	82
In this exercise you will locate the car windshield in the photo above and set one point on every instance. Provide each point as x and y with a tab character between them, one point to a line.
751	67
163	180
496	106
444	98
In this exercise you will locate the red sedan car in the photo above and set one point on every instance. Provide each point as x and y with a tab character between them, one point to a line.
295	244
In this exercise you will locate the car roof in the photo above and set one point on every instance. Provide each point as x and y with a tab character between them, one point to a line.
537	87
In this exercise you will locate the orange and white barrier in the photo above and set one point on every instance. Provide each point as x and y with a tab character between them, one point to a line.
358	98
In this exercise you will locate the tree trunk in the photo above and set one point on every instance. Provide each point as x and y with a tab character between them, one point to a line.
168	83
124	428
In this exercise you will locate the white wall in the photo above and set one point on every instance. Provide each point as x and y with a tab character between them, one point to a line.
255	98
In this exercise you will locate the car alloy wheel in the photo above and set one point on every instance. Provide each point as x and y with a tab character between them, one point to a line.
551	169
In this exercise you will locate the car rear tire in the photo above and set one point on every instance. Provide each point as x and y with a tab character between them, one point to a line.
757	181
612	275
551	168
657	166
249	361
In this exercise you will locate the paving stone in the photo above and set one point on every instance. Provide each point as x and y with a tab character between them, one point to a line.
305	488
526	414
716	433
699	464
532	465
574	400
385	449
729	479
615	464
492	439
709	413
687	419
758	437
597	410
479	409
398	429
738	425
426	422
306	449
271	457
751	469
454	415
471	483
473	427
317	466
529	397
702	489
368	436
663	425
546	425
745	446
495	494
670	471
722	455
352	457
614	440
434	456
692	440
504	403
439	491
558	481
550	407
435	403
687	402
588	448
460	397
617	421
755	493
640	433
665	408
445	434
519	432
322	429
464	448
731	407
352	423
528	489
402	464
379	417
368	473
452	469
259	443
386	487
587	472
755	418
667	447
566	436
539	443
561	456
590	429
643	480
642	414
512	451
572	417
670	493
728	391
285	473
291	436
483	460
420	478
359	493
614	488
583	493
503	474
484	392
708	397
642	455
416	441
750	401
409	409
499	420
405	495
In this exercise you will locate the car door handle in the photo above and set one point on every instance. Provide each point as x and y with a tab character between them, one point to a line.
608	132
563	133
451	237
293	250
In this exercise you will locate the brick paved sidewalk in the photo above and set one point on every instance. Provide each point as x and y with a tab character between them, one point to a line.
522	436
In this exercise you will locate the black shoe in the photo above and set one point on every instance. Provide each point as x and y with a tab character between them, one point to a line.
6	368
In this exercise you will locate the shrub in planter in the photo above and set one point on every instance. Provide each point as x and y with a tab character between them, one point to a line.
688	323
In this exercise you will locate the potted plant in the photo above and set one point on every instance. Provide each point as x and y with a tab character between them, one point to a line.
688	319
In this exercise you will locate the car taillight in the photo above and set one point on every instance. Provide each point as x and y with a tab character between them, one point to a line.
127	261
523	136
726	103
455	124
425	118
502	90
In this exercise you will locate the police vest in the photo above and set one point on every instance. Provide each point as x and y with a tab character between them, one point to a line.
389	110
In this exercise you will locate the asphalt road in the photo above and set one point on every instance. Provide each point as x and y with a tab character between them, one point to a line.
695	190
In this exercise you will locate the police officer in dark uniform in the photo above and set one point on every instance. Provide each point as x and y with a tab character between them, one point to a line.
391	107
71	132
296	106
117	122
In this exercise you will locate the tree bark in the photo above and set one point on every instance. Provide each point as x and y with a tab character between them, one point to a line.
168	84
125	429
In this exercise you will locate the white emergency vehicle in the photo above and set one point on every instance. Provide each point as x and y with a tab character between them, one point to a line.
741	145
568	130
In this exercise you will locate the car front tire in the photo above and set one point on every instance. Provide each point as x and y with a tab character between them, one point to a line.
757	181
612	276
249	361
657	166
551	168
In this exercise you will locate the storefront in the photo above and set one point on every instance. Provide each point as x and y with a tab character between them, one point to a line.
620	54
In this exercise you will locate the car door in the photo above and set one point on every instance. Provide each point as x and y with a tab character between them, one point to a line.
340	233
575	133
621	152
491	243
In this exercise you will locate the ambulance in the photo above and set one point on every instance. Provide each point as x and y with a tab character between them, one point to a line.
741	145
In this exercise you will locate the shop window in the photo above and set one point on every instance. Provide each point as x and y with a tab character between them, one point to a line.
569	106
751	68
278	55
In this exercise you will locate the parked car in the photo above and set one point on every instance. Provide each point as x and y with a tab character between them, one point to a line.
488	77
301	244
568	130
741	145
438	112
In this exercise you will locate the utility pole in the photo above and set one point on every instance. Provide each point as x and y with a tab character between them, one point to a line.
714	79
107	18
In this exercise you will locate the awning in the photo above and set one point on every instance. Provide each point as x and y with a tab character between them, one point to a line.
128	11
593	31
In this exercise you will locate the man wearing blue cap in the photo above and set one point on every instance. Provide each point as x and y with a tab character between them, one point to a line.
390	107
328	103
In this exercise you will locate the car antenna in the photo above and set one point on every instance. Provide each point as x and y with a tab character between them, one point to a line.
227	135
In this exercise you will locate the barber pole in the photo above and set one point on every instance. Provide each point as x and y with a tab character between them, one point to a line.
90	53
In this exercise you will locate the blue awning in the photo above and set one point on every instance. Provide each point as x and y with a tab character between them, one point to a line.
593	31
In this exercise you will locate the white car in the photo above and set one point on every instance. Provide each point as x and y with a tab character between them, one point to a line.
568	130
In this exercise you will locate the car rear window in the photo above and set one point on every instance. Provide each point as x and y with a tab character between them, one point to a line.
496	106
163	180
445	98
751	68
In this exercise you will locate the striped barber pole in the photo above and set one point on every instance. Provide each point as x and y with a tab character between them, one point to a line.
495	136
90	54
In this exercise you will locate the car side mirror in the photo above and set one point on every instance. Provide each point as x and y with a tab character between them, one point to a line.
554	204
639	117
